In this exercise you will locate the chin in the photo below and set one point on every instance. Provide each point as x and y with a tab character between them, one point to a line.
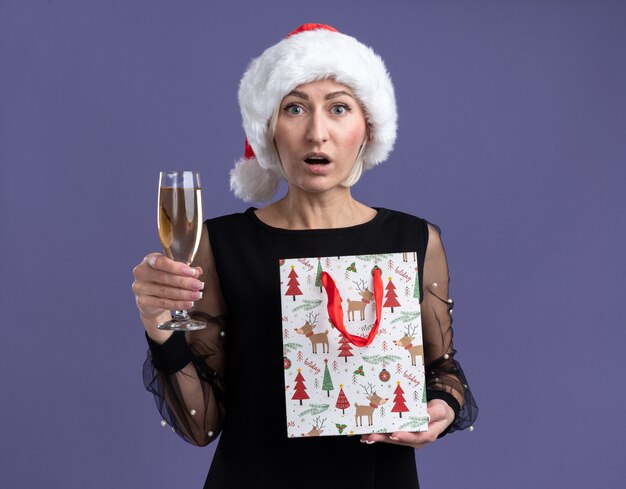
321	189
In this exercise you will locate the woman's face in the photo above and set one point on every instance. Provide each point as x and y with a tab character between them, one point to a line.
319	131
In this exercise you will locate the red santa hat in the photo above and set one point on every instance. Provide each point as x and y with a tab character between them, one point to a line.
309	53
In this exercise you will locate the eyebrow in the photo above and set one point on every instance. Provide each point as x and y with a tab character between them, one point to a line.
304	96
337	94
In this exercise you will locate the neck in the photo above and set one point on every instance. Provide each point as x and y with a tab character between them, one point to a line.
299	210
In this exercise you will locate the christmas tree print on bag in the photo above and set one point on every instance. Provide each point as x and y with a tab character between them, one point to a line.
352	339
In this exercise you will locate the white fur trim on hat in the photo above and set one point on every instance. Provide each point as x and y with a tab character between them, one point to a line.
251	183
303	58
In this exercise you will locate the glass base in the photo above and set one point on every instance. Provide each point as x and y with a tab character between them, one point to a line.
181	325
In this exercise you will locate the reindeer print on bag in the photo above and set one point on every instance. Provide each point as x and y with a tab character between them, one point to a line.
316	430
405	256
406	342
316	338
338	384
367	410
359	306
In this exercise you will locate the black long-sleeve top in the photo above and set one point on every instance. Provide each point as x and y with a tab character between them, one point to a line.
228	378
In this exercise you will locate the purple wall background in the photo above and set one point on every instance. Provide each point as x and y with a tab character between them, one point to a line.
511	138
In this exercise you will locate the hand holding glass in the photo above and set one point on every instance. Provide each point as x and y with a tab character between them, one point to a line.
180	226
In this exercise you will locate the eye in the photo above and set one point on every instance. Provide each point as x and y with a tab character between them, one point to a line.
293	109
339	109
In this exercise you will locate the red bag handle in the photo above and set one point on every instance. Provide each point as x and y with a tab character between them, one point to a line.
335	311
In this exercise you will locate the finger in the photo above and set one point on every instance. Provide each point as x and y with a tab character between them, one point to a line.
374	437
175	281
150	303
150	258
369	439
414	442
414	439
145	274
166	292
165	264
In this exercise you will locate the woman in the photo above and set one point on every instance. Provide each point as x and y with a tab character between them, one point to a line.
318	108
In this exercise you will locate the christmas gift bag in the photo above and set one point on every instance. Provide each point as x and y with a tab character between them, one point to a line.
352	340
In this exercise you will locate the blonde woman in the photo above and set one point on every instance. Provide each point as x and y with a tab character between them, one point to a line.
318	108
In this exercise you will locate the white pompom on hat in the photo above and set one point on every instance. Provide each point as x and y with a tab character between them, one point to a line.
309	53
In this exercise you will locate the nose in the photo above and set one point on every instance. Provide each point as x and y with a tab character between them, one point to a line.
317	130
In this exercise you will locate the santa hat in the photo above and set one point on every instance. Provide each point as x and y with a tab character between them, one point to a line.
311	52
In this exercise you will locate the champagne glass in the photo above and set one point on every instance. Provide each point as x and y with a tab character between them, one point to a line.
180	226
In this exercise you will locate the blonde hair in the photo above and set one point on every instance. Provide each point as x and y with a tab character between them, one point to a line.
271	131
357	168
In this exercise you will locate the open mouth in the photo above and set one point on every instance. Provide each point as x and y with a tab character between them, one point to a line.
317	160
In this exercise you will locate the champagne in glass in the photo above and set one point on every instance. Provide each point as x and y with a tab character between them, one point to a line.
180	226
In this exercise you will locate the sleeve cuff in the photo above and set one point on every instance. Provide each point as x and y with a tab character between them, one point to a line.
448	399
172	356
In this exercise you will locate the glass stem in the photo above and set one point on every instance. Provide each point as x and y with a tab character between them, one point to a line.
181	315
